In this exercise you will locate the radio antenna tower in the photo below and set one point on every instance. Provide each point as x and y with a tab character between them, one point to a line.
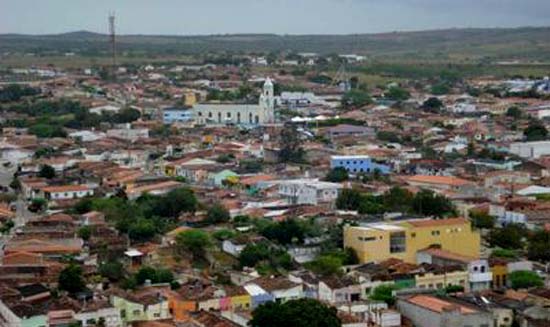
112	38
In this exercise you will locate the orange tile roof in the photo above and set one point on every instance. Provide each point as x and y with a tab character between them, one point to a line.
438	305
437	222
443	180
448	255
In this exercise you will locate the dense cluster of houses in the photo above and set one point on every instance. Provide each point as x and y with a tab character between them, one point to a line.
229	153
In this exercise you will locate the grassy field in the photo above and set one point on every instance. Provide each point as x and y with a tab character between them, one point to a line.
85	61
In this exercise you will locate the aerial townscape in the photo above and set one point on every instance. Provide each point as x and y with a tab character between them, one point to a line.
267	180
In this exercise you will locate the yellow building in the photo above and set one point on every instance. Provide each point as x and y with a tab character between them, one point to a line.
442	280
377	242
499	268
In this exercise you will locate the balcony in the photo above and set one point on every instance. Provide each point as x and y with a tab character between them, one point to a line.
481	277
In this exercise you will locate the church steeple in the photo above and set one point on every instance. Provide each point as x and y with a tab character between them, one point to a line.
267	100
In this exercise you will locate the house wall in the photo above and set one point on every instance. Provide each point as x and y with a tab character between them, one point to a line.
69	195
173	116
241	302
288	294
137	312
358	164
180	309
111	317
437	281
500	274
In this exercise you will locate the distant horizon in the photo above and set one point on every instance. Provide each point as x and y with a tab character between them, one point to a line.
284	34
280	17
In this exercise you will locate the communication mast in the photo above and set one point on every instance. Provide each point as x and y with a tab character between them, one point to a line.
341	78
112	38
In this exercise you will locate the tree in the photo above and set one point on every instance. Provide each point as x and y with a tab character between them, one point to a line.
525	279
71	280
285	232
217	214
454	289
384	293
433	105
428	203
15	184
388	136
193	240
440	89
337	175
508	237
301	312
175	202
514	112
356	98
535	131
46	171
397	93
85	232
290	145
326	265
141	230
146	273
113	270
126	115
254	253
481	219
398	199
155	276
349	199
538	247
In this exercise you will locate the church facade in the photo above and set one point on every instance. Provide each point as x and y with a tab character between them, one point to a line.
238	114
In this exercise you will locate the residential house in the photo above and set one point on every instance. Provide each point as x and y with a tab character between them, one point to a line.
479	274
358	164
145	304
307	191
430	310
337	290
67	192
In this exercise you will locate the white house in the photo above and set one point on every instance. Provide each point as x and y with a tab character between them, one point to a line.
66	192
530	150
109	315
309	191
338	290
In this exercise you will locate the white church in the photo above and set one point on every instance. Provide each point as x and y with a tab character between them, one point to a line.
238	114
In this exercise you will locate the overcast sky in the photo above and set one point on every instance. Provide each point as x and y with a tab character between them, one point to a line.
189	17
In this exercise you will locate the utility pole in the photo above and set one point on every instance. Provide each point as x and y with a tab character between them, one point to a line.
112	39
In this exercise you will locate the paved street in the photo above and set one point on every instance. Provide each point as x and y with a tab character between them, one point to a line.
22	214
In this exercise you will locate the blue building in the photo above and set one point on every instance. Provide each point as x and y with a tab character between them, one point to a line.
358	164
176	115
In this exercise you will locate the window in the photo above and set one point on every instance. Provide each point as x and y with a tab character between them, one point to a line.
435	233
122	313
228	115
210	115
397	242
136	312
413	235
